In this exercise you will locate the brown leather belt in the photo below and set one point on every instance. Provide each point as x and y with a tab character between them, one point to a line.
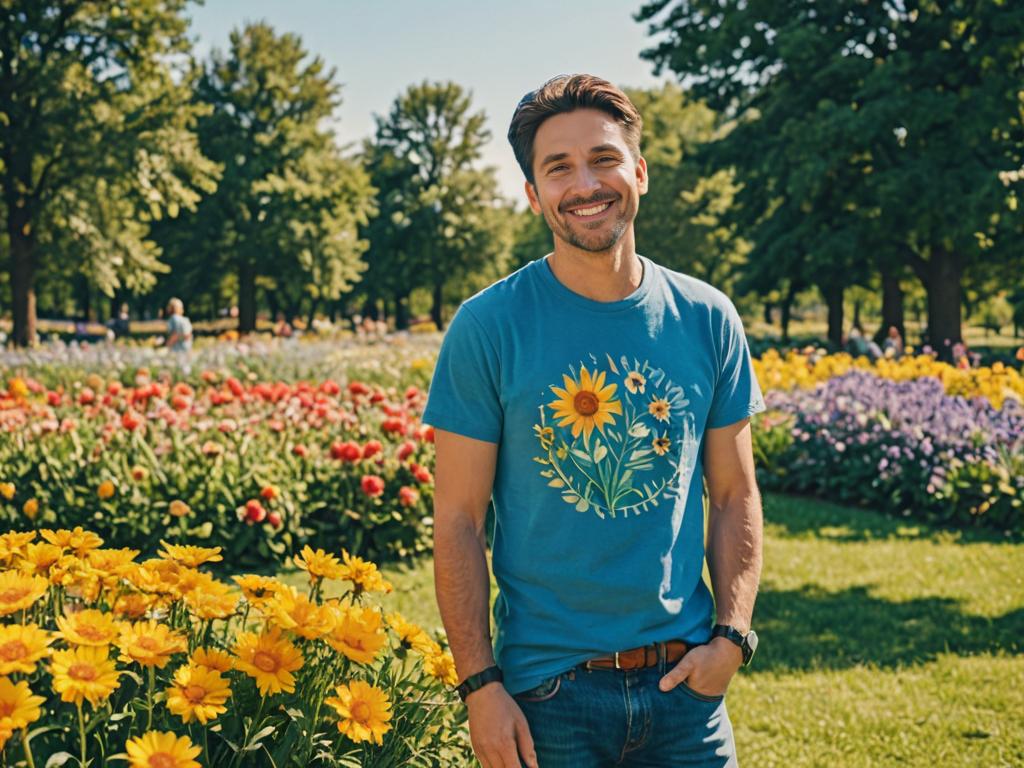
638	658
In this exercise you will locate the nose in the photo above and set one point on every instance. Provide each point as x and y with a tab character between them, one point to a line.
585	181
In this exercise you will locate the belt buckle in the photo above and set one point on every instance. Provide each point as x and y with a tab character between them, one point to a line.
617	665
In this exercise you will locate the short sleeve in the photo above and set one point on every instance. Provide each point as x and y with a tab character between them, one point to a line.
463	395
737	394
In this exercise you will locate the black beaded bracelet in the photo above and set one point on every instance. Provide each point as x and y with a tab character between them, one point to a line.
478	681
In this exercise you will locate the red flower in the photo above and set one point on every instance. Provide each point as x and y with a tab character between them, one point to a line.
347	451
371	448
377	396
426	433
408	496
394	424
406	449
235	386
86	396
422	474
372	485
53	398
330	387
254	511
412	393
131	420
180	403
301	450
274	518
358	388
269	492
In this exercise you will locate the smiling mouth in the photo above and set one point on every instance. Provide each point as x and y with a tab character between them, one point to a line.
591	212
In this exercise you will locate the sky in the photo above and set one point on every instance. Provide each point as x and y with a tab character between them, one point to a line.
497	50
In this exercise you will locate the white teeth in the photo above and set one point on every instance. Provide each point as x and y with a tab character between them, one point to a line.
591	211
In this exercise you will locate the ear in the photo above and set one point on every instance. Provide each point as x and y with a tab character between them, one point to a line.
641	175
532	198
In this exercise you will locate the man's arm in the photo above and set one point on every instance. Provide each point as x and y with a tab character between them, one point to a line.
463	481
733	553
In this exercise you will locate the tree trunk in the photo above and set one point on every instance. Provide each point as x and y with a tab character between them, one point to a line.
23	276
314	304
246	297
941	276
892	305
401	311
786	312
856	312
437	309
370	309
833	295
767	312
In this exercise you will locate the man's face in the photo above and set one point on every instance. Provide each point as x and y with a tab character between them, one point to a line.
586	182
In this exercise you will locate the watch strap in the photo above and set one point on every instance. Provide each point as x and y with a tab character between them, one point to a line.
479	680
746	643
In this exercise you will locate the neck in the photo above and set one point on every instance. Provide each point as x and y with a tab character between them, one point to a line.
610	275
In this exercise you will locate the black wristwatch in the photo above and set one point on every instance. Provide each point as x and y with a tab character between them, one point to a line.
747	643
478	681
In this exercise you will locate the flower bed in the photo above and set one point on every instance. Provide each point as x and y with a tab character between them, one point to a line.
258	468
157	662
904	446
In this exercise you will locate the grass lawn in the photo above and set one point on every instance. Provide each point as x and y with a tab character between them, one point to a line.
882	643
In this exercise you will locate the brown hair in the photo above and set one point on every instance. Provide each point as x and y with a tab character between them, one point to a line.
567	93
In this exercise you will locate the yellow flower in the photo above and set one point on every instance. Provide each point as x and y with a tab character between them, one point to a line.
30	508
21	647
106	490
212	599
661	445
150	644
635	382
160	577
39	558
197	692
7	490
363	574
19	591
112	562
18	707
179	508
13	544
364	711
441	666
269	659
133	605
88	627
258	589
318	564
659	409
211	658
190	556
79	539
585	404
411	635
359	634
296	612
162	749
83	673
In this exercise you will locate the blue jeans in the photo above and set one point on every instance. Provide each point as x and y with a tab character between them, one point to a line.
606	717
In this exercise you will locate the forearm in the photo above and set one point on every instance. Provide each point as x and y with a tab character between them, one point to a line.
462	584
735	532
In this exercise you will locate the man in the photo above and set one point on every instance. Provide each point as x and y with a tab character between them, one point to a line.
589	394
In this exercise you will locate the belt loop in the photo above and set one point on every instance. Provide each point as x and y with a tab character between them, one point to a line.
617	666
661	657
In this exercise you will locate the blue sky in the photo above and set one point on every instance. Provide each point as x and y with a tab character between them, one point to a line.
496	50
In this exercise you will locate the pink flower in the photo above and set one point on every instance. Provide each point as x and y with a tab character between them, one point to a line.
407	496
372	485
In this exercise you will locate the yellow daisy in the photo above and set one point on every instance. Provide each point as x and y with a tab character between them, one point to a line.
189	555
441	666
635	382
38	559
213	600
363	574
149	643
411	635
133	605
21	647
19	591
83	673
88	627
661	445
359	634
79	540
585	404
295	612
162	749
364	711
13	543
112	563
659	408
199	693
258	589
269	659
211	658
18	707
318	564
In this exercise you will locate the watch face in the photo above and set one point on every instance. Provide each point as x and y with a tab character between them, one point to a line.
749	646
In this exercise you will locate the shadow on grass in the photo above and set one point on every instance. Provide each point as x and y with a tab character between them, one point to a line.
811	628
803	517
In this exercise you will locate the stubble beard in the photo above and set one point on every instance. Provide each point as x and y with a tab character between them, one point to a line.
596	243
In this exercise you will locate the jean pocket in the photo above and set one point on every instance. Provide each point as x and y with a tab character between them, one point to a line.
546	690
700	696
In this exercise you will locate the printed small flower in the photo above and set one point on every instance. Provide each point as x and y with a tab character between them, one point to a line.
21	647
88	627
189	555
585	404
19	591
84	673
318	564
162	749
358	634
150	644
441	666
19	708
659	409
269	660
197	693
364	711
635	382
661	445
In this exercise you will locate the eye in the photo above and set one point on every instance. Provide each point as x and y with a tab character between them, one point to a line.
557	168
607	158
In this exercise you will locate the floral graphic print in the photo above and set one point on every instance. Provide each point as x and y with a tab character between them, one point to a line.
616	437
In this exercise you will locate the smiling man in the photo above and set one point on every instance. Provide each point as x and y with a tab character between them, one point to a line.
593	396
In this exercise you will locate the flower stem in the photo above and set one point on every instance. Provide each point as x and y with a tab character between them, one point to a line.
81	730
28	750
149	697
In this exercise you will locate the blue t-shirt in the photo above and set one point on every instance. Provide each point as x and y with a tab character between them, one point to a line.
599	411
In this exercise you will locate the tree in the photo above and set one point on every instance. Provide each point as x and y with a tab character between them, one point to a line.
95	140
867	130
288	206
440	216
